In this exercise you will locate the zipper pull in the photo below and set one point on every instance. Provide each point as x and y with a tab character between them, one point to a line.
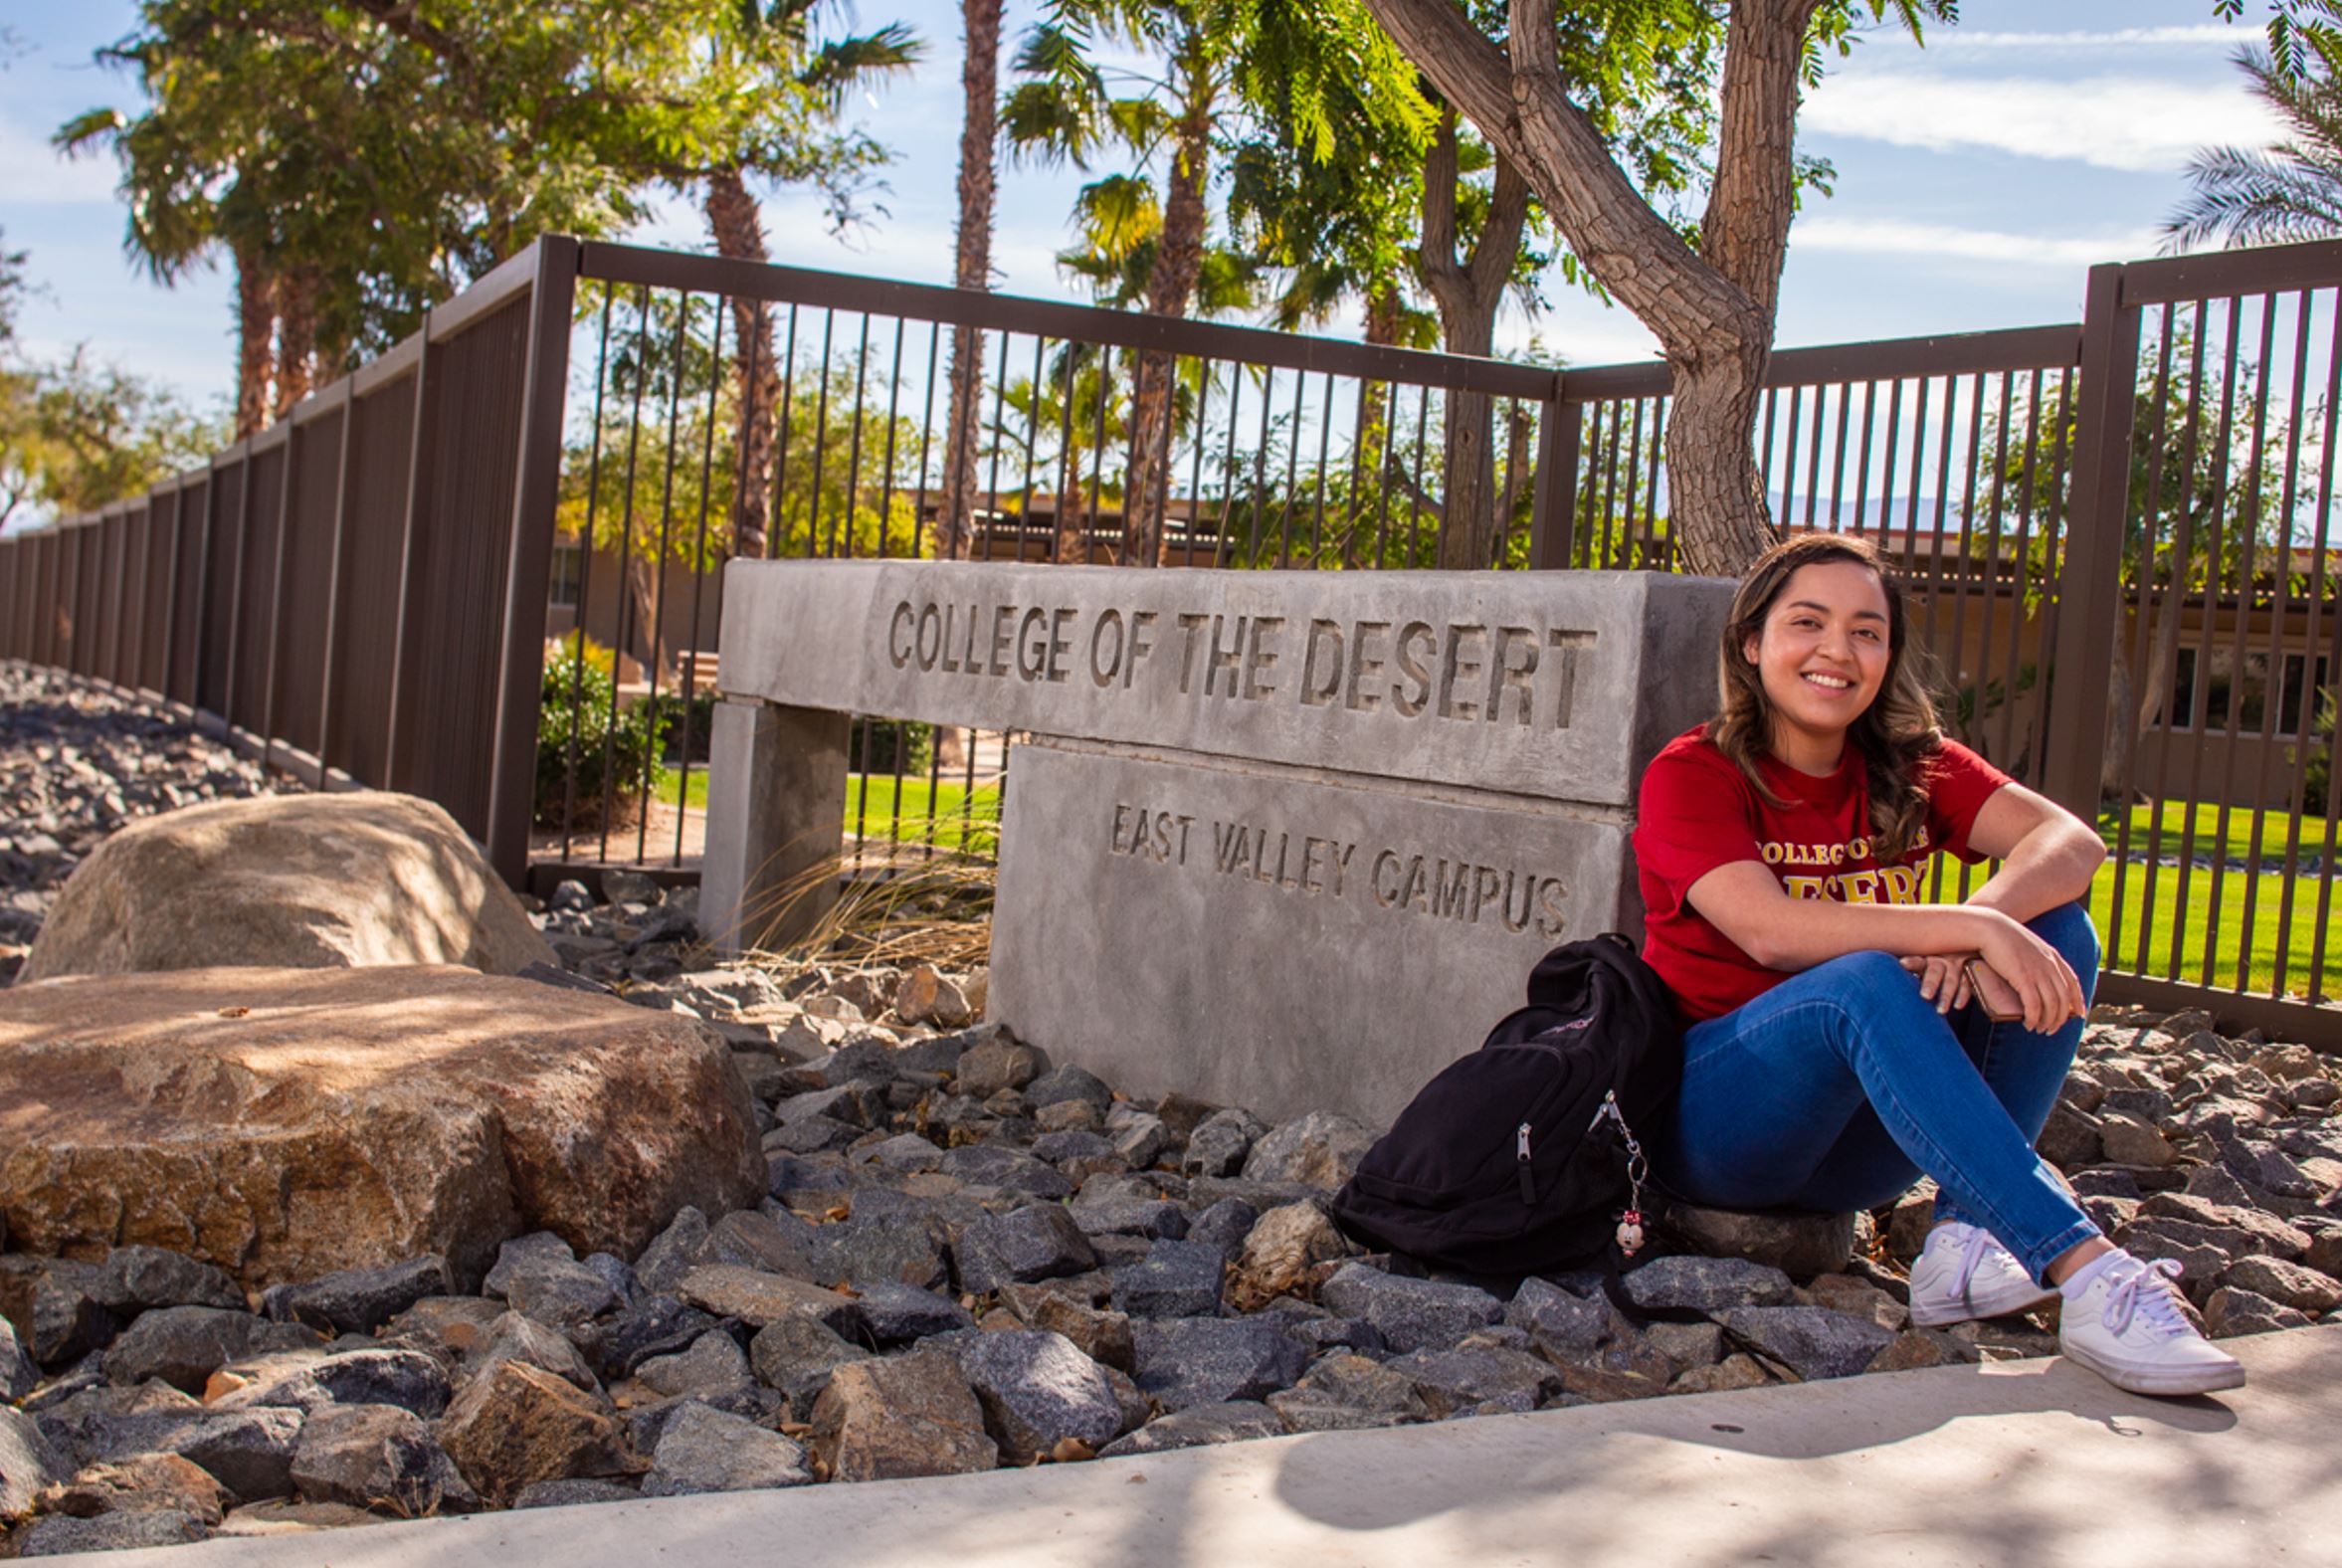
1520	1156
1608	1108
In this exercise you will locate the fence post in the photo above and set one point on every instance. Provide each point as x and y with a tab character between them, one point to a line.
417	472
327	672
2089	579
1553	508
511	789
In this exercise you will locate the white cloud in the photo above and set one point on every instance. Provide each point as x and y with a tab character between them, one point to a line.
2132	124
31	172
1896	237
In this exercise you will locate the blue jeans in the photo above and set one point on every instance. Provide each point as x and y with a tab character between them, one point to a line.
1838	1087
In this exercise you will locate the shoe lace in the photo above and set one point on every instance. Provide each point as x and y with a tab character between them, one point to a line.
1972	1253
2146	1291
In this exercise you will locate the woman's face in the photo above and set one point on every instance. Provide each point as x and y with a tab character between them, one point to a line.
1823	654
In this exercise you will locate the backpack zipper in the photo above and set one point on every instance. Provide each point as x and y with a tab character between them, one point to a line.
1520	1156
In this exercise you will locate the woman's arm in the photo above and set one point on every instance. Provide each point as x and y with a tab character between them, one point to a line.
2048	854
1745	901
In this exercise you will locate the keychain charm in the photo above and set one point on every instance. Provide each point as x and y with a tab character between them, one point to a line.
1630	1232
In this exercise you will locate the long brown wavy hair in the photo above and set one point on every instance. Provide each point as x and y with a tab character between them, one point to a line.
1895	734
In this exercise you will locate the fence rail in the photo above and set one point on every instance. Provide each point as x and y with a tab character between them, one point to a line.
2117	534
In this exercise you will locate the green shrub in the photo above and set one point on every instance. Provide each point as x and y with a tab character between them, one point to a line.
573	720
886	740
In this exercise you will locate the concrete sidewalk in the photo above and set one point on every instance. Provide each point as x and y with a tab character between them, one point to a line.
2023	1462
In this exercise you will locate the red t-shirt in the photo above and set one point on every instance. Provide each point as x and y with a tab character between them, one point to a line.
1698	811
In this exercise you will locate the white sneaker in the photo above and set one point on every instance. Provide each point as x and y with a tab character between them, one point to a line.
2126	1324
1963	1273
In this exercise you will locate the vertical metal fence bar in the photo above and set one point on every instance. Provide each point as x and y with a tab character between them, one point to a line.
659	561
2306	712
292	446
623	594
341	479
699	572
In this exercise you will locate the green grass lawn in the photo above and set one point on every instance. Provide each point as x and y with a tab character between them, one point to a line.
961	820
2267	894
2239	841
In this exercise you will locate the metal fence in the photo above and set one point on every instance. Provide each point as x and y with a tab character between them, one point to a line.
2117	535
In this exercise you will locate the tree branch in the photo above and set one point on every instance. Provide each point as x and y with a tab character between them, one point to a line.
1744	234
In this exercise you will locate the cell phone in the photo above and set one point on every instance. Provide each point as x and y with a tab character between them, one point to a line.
2003	1007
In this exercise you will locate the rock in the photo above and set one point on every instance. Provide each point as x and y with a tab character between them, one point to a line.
1811	1341
1321	1149
1105	1337
249	1452
1914	1348
703	1449
907	1153
1622	1364
140	1278
408	1379
615	1273
556	1291
795	1356
1059	1147
513	1337
763	1298
713	1367
288	882
1140	1140
1705	1284
1037	1242
1452	1381
1410	1314
1223	1226
516	1424
1913	1218
17	1375
60	1534
1220	1144
750	1240
673	1252
1860	1298
2325	1255
1349	1391
875	1248
1798	1245
185	1345
381	1458
1569	1325
912	1416
147	1480
898	1313
1733	1372
2289	1285
1688	1344
1151	1218
355	1117
1037	1392
998	1064
2203	1252
564	1494
1280	1250
1067	1083
1011	1170
51	1302
2130	1139
2233	1310
2070	1138
2266	1233
926	995
1184	1361
1232	1421
281	1517
360	1300
29	1463
656	1326
1177	1279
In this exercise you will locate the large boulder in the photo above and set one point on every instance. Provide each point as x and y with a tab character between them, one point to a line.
286	882
285	1123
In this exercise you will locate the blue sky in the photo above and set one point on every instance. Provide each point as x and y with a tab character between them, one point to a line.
1978	177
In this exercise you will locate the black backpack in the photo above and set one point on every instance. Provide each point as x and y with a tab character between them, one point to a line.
1516	1159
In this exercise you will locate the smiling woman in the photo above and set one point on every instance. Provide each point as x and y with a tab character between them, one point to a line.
1843	1038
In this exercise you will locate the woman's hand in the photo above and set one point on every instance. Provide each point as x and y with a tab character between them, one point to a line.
1944	978
2044	981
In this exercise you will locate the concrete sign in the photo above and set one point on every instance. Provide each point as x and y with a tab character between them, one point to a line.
1291	840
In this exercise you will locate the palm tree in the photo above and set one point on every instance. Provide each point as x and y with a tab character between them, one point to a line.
2290	190
971	269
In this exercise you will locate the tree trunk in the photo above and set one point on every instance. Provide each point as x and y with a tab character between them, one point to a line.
1712	312
738	228
1386	320
255	324
1170	288
296	339
1468	289
1073	547
972	269
650	638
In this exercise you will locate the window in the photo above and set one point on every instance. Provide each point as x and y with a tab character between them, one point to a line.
2247	693
569	573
